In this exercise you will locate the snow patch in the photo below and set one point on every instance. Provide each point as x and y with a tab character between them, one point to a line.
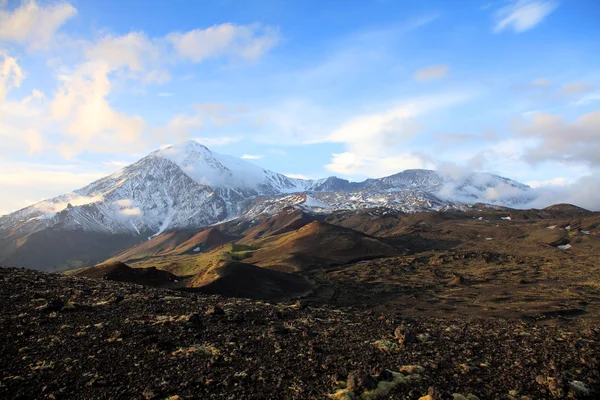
564	247
135	227
312	202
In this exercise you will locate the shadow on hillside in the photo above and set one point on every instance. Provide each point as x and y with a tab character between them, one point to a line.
417	244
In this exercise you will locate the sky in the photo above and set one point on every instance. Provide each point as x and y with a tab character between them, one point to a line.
311	89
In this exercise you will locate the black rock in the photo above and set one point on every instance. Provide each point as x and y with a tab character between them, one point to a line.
54	305
360	381
214	310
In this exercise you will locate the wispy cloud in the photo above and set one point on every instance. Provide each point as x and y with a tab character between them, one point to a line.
375	143
588	98
113	163
549	182
252	156
540	82
576	89
33	24
522	15
559	140
247	42
431	73
297	176
29	183
278	152
217	141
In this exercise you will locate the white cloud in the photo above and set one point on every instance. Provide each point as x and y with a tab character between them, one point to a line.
576	89
588	98
20	121
88	120
71	198
34	140
522	15
35	95
376	167
252	156
216	141
113	163
179	128
584	192
540	82
24	184
247	42
221	114
278	152
576	142
297	176
134	51
166	94
431	73
34	24
11	75
135	211
374	142
124	203
549	182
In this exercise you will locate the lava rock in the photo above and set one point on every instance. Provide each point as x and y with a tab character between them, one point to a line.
360	381
53	306
214	310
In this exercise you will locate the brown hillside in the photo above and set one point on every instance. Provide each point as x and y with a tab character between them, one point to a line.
202	241
175	243
117	271
236	279
156	246
318	244
288	219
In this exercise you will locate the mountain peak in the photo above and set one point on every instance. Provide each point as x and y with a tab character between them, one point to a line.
189	148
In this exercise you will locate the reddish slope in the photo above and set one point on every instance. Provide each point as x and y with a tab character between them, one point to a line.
318	244
287	220
202	241
156	246
175	243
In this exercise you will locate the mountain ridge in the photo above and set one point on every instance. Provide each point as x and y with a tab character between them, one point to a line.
188	186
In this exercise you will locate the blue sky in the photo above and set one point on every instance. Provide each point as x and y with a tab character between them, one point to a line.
307	88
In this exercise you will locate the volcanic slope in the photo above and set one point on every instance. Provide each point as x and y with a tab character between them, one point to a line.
175	243
118	271
488	261
317	244
236	279
533	264
70	338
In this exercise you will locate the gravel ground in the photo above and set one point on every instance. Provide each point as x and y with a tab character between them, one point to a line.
76	338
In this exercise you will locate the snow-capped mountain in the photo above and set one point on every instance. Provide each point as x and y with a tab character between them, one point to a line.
188	186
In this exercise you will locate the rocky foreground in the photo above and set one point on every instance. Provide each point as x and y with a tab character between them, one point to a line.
76	338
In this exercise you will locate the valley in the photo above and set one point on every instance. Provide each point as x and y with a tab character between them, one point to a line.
483	262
